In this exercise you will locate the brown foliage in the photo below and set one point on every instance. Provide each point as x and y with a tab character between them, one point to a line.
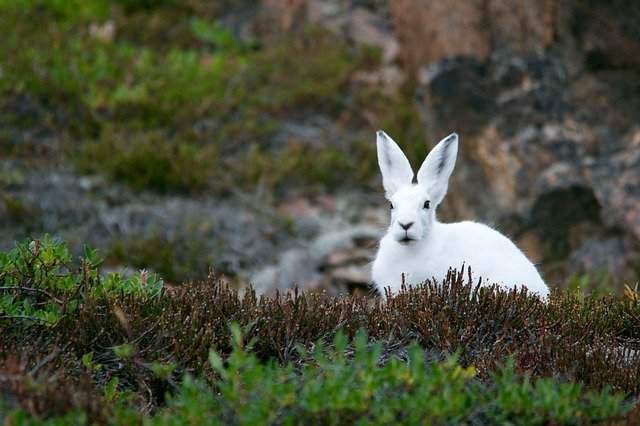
589	340
43	392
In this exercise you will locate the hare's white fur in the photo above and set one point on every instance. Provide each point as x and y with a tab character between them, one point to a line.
417	247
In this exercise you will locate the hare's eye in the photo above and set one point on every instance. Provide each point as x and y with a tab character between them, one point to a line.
426	204
391	206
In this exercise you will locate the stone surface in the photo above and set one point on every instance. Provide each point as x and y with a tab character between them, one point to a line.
612	256
605	32
540	149
346	18
336	261
229	235
432	30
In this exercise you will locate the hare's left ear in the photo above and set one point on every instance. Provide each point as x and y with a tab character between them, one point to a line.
437	167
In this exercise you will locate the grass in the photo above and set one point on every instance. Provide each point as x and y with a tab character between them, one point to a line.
173	261
149	159
196	111
17	211
81	348
336	389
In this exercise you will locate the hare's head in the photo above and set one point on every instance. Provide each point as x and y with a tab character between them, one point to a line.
414	199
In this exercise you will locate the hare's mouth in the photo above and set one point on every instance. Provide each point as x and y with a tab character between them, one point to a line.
406	240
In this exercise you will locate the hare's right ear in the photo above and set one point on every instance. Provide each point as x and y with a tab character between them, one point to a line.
395	168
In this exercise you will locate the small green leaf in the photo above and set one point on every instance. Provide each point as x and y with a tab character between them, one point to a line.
124	351
216	361
111	389
162	370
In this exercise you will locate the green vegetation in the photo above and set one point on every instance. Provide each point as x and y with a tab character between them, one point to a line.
149	160
40	284
81	348
16	210
173	261
334	389
191	112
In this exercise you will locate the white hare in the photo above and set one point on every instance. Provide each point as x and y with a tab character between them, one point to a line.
417	247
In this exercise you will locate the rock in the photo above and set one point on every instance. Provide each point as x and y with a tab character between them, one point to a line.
365	27
299	207
387	79
599	33
284	14
105	32
531	246
429	31
314	131
336	262
535	147
352	275
342	17
295	267
608	33
613	256
343	257
616	181
344	239
229	234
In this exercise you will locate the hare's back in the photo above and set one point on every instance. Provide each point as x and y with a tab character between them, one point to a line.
475	235
492	255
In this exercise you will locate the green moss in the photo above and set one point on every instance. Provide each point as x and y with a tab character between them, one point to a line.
173	112
175	264
595	282
64	11
10	176
311	70
149	159
398	115
153	253
17	210
314	168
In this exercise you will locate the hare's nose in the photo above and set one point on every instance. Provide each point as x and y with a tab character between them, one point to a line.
405	226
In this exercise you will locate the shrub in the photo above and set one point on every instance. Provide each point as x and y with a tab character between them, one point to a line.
340	385
132	341
193	111
150	160
40	283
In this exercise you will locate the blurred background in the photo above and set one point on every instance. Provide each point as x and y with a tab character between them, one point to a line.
180	136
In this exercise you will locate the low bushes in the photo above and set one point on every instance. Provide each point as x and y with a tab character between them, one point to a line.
161	96
144	350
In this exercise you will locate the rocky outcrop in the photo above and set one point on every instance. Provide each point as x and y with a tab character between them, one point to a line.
352	21
313	243
605	32
546	97
537	152
231	235
336	255
337	263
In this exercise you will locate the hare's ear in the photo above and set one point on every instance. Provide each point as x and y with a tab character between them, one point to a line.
437	167
395	168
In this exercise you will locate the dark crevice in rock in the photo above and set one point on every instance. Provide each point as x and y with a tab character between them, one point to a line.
554	213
